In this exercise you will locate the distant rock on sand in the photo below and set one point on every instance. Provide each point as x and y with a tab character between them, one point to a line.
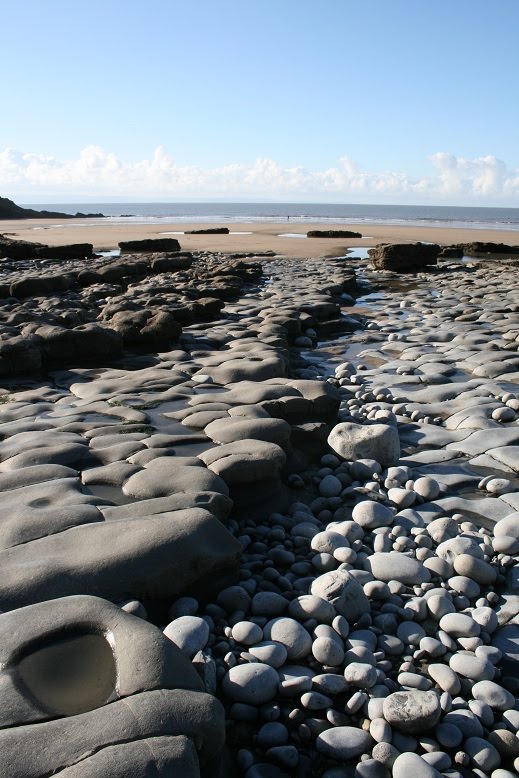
333	234
209	231
9	210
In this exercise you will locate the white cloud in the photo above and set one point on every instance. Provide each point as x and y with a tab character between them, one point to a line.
97	172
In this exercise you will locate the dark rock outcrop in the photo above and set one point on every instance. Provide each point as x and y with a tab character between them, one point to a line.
150	244
24	249
333	234
9	210
87	341
477	248
403	257
452	252
39	286
146	328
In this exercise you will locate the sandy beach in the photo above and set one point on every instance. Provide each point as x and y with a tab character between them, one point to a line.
256	237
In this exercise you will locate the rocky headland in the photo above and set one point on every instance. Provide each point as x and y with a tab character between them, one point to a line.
260	516
10	210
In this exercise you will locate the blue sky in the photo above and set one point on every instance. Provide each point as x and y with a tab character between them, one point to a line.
355	101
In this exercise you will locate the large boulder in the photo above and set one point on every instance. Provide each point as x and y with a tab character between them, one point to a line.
149	244
366	441
403	257
67	251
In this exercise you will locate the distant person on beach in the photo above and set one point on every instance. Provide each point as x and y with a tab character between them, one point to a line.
288	218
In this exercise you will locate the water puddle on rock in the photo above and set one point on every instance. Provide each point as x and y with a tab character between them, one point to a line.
71	675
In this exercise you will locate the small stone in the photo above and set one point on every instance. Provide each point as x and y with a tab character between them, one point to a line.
506	742
370	514
482	754
380	730
284	756
439	605
268	604
330	486
251	683
360	674
269	652
328	542
464	585
309	606
411	765
427	487
468	665
290	634
273	733
343	743
329	684
190	633
476	569
385	753
371	768
443	529
247	633
445	678
459	625
412	711
328	651
396	566
448	735
315	701
184	606
234	598
401	498
486	618
493	695
344	592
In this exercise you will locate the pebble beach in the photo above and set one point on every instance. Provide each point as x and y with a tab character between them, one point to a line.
282	486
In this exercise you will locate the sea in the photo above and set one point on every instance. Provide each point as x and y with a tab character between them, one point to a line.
410	215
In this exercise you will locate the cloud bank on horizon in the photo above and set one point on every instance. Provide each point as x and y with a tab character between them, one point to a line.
96	172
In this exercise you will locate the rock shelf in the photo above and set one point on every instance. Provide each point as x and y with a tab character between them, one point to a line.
281	518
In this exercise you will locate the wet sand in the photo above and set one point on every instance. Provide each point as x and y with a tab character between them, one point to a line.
259	237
